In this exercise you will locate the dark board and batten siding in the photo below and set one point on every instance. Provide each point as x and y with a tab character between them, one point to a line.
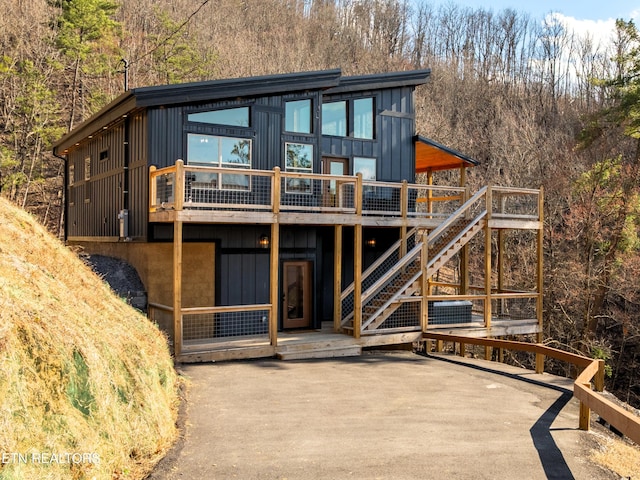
394	130
94	204
168	131
97	201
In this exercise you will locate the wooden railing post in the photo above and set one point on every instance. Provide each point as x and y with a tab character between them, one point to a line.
585	413
540	363
404	199
275	190
358	193
152	188
598	380
179	186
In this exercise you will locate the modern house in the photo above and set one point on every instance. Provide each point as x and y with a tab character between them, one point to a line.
280	215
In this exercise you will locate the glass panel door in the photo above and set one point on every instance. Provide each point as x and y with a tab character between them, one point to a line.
296	294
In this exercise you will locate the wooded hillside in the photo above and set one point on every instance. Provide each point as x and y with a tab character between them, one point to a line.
536	104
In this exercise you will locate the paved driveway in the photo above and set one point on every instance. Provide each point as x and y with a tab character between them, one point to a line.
379	416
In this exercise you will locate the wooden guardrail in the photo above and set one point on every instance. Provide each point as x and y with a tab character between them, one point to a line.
591	370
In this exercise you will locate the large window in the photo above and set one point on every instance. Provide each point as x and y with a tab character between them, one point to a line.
298	159
298	116
227	152
235	117
363	118
349	118
334	119
366	166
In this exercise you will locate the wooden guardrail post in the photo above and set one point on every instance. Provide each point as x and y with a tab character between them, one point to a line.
585	413
598	380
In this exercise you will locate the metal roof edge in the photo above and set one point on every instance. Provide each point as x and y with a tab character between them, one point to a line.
122	105
381	80
236	87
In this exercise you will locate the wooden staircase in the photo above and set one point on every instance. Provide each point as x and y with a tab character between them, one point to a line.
403	280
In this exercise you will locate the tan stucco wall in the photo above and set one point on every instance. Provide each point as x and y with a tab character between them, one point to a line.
154	264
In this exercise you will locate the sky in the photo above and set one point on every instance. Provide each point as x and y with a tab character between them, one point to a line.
596	17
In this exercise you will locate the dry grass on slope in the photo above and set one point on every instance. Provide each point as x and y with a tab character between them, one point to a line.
87	385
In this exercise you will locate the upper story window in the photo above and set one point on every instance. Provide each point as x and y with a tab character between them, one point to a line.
298	159
363	118
234	117
349	118
334	119
297	115
217	151
87	169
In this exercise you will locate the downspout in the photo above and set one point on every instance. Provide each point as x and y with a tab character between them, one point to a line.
65	185
124	231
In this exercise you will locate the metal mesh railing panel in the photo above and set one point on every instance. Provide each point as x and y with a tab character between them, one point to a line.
227	189
515	204
164	190
384	200
317	194
514	308
220	325
407	315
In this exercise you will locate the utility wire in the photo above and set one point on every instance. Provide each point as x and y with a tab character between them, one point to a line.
171	35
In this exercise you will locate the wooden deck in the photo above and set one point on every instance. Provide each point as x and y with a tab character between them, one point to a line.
325	343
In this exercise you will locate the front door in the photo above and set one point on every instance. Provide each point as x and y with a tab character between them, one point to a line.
296	294
333	166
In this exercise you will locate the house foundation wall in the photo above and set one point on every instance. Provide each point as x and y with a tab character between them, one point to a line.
154	264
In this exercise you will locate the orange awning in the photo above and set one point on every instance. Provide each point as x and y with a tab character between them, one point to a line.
433	156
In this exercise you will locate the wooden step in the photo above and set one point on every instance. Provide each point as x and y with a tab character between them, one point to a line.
326	352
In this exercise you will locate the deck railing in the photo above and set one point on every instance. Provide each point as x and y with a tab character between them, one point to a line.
187	187
215	327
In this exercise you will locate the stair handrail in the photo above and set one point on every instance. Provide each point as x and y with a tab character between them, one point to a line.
440	229
455	239
391	300
377	263
381	282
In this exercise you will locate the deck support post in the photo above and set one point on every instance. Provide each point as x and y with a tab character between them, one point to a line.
274	260
357	280
540	286
357	262
337	278
177	289
585	414
424	255
487	264
274	270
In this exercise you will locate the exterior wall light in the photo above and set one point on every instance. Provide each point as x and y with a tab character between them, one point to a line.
263	241
371	242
